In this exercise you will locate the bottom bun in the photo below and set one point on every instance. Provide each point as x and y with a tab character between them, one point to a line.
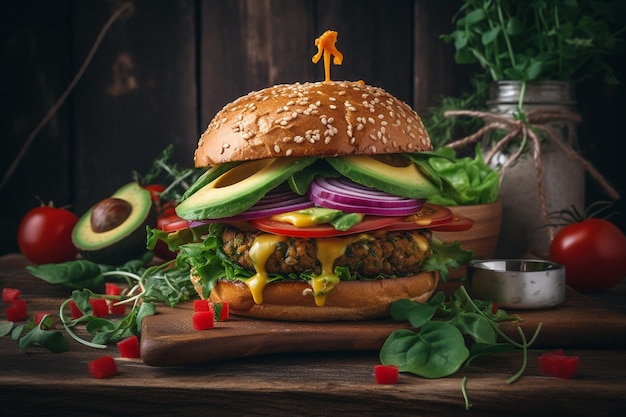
350	300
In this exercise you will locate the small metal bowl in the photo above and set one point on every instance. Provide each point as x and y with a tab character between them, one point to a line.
517	283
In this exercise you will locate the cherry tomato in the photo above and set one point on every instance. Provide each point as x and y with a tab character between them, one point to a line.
321	230
593	252
45	235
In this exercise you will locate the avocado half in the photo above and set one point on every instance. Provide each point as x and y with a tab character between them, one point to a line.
124	241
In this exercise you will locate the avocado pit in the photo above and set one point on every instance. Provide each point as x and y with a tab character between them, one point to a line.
109	214
113	231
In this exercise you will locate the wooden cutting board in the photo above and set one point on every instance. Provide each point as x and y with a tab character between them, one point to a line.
169	339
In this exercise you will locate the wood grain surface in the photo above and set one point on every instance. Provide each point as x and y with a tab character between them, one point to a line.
169	339
322	383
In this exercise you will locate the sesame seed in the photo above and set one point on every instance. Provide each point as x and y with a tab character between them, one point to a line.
276	148
371	120
289	152
332	98
333	107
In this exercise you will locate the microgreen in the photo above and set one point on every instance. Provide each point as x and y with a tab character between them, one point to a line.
177	179
448	335
538	39
526	41
164	283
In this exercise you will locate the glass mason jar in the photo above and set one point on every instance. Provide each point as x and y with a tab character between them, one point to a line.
523	231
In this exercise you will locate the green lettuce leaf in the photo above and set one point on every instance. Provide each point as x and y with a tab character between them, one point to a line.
466	181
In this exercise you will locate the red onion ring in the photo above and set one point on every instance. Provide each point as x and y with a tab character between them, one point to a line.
343	194
277	201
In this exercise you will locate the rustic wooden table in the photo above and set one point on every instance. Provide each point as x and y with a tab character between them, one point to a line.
321	383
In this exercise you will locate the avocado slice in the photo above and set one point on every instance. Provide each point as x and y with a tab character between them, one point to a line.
208	176
239	188
392	173
113	231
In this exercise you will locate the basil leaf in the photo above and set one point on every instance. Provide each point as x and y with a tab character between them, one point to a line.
73	274
438	350
53	340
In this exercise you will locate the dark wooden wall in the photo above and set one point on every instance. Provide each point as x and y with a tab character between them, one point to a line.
165	68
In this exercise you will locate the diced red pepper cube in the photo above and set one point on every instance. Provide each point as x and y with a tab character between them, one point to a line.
111	288
386	374
103	367
10	294
494	308
203	320
119	309
202	305
76	313
17	310
100	307
38	316
558	364
224	311
129	347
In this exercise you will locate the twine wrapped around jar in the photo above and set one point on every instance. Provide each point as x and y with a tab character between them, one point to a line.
528	128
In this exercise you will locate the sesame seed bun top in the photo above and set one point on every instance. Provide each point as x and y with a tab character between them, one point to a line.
312	119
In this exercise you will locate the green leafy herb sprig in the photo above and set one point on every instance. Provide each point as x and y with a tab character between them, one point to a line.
451	335
527	41
176	179
165	283
539	39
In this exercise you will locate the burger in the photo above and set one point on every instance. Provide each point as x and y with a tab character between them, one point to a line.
313	206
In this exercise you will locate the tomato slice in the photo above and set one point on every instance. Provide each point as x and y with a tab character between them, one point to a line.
322	230
430	217
457	224
172	223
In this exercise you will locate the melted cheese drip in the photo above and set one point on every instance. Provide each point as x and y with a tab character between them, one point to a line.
295	218
421	242
263	247
328	250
